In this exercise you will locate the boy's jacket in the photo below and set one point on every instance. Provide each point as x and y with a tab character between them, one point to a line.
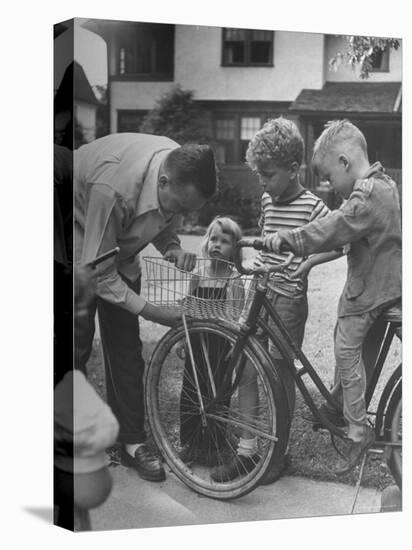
370	221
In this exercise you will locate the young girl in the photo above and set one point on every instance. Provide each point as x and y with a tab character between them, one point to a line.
215	279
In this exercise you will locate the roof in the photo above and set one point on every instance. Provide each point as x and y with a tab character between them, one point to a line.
75	79
351	97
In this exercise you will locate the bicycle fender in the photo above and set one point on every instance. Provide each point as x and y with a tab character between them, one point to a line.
385	400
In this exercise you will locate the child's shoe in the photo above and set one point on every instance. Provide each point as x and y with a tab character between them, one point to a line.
356	451
237	466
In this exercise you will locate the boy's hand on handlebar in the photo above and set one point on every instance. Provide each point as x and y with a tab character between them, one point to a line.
302	271
273	243
169	316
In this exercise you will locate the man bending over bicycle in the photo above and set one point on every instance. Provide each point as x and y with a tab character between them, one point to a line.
370	220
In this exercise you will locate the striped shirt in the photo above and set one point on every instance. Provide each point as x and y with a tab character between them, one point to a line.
280	216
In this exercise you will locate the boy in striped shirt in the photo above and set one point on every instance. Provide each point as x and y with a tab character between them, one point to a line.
275	154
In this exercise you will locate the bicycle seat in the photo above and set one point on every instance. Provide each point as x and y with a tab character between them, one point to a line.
393	314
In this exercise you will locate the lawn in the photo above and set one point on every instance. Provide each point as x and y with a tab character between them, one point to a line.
312	453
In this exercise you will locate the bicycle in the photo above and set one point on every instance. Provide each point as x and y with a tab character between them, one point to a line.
229	357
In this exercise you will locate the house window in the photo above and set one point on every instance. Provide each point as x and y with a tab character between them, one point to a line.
122	61
233	131
379	60
129	120
146	52
225	137
248	128
247	47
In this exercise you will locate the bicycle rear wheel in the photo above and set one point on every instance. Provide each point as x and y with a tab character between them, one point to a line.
194	444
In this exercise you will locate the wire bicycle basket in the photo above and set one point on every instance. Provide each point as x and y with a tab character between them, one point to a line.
200	294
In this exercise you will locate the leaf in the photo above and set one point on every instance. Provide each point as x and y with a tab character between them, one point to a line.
358	51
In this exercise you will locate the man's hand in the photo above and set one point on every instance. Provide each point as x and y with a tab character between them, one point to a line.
169	316
183	260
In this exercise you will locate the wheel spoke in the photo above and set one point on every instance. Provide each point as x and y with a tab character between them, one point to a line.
237	423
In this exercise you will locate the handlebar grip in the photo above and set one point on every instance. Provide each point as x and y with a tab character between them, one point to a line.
257	244
284	247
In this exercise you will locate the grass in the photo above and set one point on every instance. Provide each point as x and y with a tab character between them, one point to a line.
312	454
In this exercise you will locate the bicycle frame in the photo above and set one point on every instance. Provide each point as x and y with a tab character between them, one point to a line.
289	350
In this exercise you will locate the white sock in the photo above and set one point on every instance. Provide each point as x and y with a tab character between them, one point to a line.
131	447
356	432
247	447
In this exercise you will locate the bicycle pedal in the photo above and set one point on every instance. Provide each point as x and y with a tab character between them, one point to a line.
376	450
318	427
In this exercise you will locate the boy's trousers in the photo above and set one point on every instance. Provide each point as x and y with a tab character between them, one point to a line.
350	334
123	361
293	314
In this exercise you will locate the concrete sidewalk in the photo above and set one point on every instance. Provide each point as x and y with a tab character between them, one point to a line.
135	503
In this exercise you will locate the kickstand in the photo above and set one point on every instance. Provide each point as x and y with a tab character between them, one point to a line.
358	483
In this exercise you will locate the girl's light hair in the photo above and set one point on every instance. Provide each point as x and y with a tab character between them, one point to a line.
338	132
228	226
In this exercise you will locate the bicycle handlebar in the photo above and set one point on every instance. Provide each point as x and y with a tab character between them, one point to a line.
257	244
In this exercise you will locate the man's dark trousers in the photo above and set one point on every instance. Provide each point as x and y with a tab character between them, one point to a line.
123	361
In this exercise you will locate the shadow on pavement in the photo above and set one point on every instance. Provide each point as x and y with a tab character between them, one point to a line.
45	514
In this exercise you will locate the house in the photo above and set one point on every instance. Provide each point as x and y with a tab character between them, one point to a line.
374	105
242	77
74	98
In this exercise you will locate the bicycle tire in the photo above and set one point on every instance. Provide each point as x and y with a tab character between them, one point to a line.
393	431
164	384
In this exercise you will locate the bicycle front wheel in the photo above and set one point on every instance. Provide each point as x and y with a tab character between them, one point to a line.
197	423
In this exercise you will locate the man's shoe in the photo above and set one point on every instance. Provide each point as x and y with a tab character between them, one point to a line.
276	471
356	451
239	465
146	464
334	416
